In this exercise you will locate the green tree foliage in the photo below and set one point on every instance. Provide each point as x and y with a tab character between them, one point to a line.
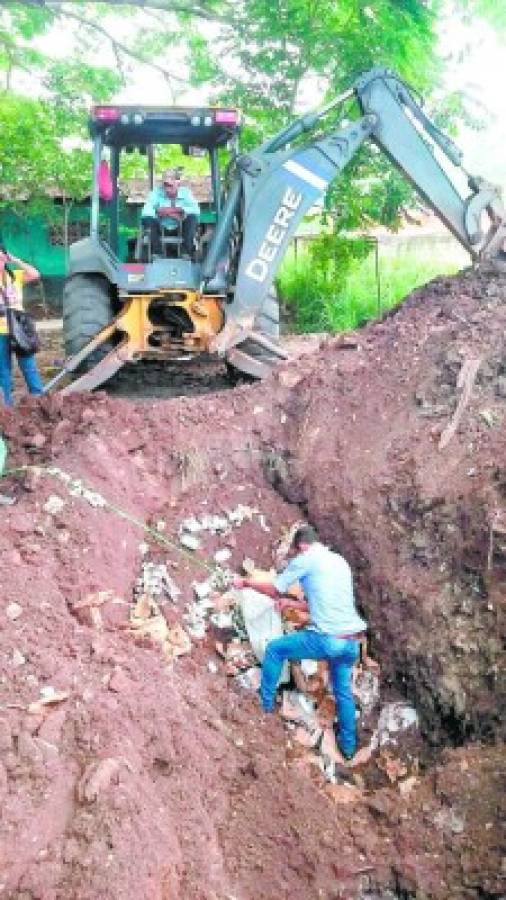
276	49
262	55
41	135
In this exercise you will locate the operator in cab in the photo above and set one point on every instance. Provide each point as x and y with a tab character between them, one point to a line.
167	206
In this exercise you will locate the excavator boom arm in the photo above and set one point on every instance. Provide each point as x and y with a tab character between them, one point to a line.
275	187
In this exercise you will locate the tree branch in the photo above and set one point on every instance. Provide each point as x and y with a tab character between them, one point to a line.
118	47
168	6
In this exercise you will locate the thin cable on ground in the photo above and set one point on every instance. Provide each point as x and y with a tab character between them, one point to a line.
121	513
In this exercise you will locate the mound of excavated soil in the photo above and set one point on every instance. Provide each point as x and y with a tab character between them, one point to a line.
148	779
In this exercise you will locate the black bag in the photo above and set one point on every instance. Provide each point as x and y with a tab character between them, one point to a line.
24	339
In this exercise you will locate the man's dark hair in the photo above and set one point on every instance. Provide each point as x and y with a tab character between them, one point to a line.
306	534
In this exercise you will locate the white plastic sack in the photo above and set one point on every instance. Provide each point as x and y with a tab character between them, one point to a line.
263	623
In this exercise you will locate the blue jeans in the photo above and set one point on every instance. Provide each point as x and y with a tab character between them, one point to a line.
28	366
309	644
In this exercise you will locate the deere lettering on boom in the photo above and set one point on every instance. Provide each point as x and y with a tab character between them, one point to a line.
122	308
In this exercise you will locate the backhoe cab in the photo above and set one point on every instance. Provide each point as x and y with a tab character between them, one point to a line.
119	307
121	302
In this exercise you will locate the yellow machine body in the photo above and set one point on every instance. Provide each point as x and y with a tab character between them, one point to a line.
205	313
144	328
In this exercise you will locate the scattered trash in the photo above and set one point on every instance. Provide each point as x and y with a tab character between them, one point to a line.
146	621
490	417
189	541
212	667
222	620
155	581
221	579
54	505
308	737
177	643
202	589
6	501
250	679
225	603
238	657
13	611
394	717
17	658
238	618
295	707
49	697
195	619
366	689
192	526
263	523
78	489
241	514
449	820
222	555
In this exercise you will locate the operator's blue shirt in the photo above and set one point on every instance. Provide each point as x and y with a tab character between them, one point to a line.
327	582
158	198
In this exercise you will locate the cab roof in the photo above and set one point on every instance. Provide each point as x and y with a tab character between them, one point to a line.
198	126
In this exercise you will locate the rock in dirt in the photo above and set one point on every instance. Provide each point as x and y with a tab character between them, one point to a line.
344	793
119	682
96	779
13	611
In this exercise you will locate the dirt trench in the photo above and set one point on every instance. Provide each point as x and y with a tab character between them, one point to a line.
165	781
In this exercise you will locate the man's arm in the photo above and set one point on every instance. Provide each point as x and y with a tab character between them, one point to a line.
262	587
283	601
187	201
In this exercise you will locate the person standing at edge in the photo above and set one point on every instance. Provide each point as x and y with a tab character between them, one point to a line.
334	631
14	274
166	206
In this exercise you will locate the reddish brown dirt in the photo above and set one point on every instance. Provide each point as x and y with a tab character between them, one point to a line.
150	781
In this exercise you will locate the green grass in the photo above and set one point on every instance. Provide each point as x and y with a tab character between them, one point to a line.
316	304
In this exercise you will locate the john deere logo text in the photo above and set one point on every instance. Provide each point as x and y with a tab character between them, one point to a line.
259	266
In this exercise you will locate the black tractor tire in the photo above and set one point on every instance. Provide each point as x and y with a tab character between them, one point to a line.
87	308
266	322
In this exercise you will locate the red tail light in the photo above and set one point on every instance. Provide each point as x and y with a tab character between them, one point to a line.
105	113
226	117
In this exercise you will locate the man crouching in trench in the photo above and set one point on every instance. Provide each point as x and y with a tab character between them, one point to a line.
334	632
